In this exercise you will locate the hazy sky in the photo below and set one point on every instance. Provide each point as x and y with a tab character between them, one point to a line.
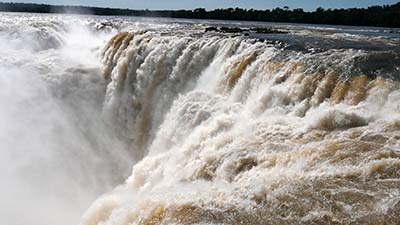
211	4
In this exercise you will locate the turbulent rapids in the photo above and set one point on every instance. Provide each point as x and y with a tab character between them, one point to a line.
238	132
301	127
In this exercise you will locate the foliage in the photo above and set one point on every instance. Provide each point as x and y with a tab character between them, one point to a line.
384	16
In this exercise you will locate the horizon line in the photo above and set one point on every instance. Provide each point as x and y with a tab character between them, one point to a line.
191	9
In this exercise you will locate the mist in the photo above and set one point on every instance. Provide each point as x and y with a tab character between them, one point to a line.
122	120
57	153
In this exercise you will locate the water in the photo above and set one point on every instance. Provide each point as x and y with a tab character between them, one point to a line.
301	127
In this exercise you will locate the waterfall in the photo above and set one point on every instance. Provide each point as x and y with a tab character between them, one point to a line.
232	130
120	120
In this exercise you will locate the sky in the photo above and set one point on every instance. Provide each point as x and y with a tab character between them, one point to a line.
212	4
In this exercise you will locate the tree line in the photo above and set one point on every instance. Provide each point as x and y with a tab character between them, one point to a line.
383	16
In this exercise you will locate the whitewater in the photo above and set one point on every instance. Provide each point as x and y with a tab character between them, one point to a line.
124	120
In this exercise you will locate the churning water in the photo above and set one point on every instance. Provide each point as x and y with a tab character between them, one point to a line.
298	127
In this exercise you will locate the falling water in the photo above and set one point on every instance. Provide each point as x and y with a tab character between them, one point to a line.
219	128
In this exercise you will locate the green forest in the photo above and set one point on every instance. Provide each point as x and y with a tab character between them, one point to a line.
383	16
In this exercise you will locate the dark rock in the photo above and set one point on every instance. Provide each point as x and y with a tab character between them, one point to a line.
231	30
266	30
258	30
209	29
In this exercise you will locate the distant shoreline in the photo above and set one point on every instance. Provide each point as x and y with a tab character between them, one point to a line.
377	16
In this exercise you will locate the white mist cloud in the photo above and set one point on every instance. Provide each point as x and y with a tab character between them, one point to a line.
56	155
